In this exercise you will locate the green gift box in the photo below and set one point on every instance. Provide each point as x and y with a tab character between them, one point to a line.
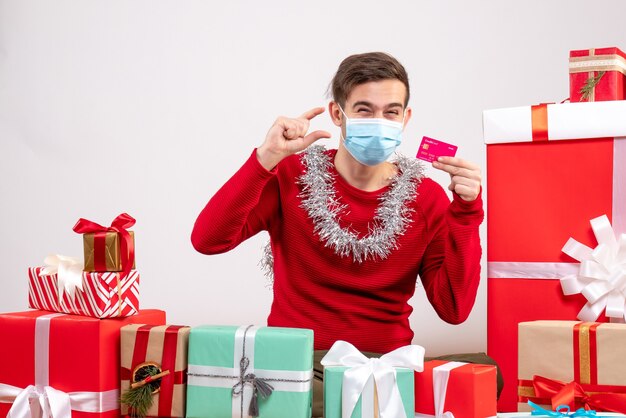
333	386
233	369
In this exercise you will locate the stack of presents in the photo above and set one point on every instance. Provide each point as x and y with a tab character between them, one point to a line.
556	303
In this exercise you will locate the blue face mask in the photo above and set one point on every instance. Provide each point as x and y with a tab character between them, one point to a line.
371	140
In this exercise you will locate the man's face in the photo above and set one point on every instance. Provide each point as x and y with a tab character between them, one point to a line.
376	99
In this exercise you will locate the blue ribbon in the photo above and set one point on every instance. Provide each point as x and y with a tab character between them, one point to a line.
539	411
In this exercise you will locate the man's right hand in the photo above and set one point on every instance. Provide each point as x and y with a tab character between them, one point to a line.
288	136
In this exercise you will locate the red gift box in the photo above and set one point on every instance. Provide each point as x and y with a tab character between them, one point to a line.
56	358
541	190
103	295
602	68
463	389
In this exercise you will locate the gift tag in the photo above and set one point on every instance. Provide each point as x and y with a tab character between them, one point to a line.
430	149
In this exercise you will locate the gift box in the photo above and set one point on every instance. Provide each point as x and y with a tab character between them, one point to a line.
579	364
550	170
356	386
67	363
100	295
597	75
151	350
464	390
237	371
108	248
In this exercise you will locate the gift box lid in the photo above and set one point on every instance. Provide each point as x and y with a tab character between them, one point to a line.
564	121
597	59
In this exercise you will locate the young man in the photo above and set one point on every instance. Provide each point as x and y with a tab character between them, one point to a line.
350	232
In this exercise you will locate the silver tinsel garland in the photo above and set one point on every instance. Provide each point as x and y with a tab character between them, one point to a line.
324	208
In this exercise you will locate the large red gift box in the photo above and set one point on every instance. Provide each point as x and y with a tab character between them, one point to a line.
604	67
49	356
466	390
103	295
550	170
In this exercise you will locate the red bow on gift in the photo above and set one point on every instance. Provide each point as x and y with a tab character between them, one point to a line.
574	395
119	225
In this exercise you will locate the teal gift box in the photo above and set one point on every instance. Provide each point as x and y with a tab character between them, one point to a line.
333	386
233	369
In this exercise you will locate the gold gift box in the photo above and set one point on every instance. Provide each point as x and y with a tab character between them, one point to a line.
112	252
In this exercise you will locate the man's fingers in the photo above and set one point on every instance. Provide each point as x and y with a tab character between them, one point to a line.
458	162
458	171
314	136
310	114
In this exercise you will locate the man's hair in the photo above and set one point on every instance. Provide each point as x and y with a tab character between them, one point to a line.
362	68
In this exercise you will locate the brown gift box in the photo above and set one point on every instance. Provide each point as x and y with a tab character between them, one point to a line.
165	347
112	253
592	354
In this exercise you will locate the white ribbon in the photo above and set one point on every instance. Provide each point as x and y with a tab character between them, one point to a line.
69	271
365	371
50	402
602	274
441	375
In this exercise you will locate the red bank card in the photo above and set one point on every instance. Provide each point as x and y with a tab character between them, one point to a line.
430	149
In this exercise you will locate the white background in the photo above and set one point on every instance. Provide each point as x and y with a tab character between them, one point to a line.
148	106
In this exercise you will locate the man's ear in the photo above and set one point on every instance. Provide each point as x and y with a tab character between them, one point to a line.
407	117
335	113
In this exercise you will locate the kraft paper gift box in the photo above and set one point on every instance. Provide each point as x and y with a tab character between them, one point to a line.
550	170
109	248
554	354
58	360
597	75
164	349
464	390
100	295
233	369
358	387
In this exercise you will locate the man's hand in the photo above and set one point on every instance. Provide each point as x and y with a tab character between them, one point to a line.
465	176
288	136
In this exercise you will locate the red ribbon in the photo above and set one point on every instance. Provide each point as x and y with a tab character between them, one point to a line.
127	246
573	394
539	115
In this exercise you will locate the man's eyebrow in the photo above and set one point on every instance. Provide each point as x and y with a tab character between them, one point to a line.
362	103
369	104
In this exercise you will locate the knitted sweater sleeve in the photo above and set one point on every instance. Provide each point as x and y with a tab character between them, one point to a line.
450	269
241	208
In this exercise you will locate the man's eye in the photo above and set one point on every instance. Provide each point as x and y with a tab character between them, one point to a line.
392	112
362	110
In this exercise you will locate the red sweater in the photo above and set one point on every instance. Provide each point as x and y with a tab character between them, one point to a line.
363	303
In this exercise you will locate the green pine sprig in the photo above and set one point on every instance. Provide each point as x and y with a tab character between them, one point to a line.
140	399
590	84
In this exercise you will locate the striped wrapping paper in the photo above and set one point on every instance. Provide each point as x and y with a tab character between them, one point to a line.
103	294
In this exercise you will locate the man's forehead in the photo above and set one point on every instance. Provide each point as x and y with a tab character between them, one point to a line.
384	93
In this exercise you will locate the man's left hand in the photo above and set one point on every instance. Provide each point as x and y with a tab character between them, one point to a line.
465	176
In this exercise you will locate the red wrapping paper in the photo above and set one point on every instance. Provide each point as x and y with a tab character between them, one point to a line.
471	390
84	353
539	195
611	86
103	295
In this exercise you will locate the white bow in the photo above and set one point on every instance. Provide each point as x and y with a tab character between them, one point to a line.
69	271
50	403
362	369
602	274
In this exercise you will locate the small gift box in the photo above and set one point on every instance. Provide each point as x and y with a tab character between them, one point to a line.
538	197
154	361
62	286
249	371
597	75
578	364
64	366
108	248
356	386
462	390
